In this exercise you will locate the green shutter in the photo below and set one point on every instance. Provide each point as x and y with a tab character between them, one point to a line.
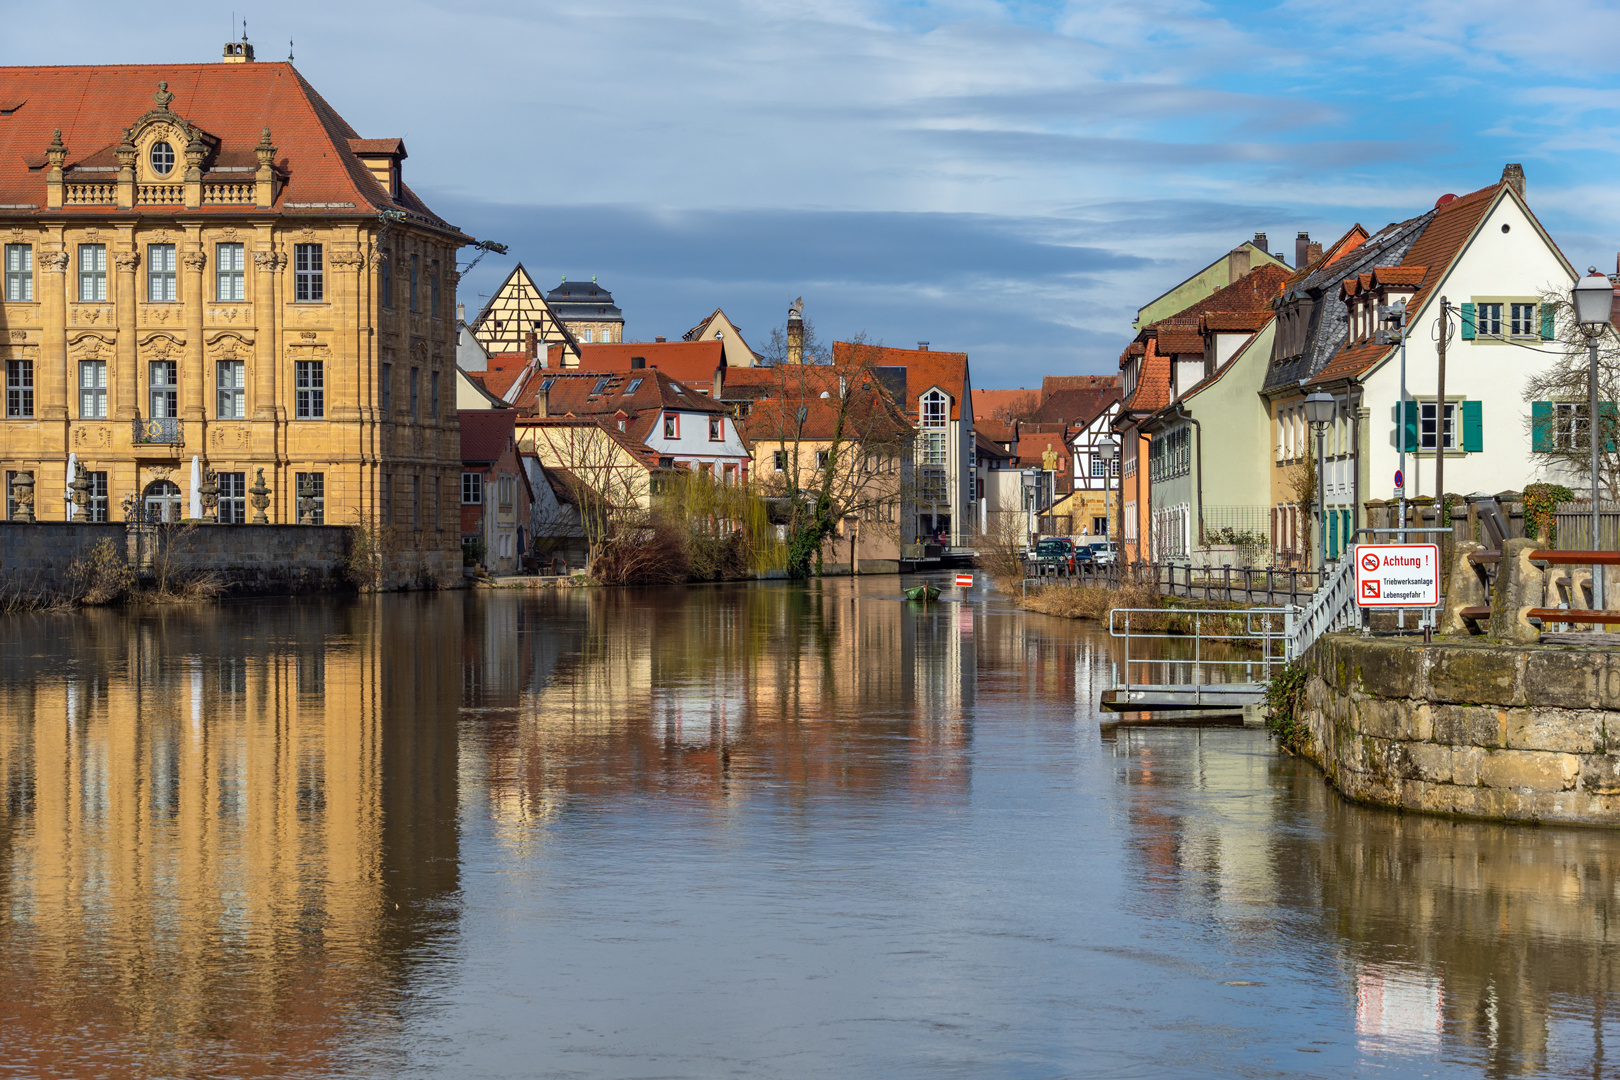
1411	438
1468	322
1547	322
1542	436
1333	535
1607	418
1473	427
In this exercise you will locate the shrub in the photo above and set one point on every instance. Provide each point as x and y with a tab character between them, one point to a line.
102	577
1285	700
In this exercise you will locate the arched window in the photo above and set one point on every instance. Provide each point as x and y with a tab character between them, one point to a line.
933	409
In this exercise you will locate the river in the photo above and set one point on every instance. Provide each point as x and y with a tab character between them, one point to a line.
761	830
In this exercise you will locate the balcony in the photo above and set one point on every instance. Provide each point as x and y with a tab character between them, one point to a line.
158	431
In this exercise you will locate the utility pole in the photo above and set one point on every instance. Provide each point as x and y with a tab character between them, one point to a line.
1440	417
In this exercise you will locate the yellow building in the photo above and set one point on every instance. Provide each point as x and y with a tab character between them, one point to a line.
204	261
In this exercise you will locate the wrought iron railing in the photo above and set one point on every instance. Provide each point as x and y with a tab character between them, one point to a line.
168	430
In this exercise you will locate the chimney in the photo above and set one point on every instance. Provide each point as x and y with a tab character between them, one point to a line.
1513	176
530	345
542	403
660	337
1313	251
1261	242
461	314
719	382
922	346
795	332
1302	249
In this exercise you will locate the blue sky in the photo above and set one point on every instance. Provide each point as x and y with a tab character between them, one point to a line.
1012	179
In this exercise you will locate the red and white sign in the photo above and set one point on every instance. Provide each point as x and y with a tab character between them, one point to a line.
964	581
1398	575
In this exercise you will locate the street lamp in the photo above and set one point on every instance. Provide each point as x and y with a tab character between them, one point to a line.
1108	452
1395	316
1319	410
1593	298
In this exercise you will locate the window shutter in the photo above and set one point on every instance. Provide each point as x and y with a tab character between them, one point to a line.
1547	322
1542	439
1410	439
1607	418
1468	322
1473	427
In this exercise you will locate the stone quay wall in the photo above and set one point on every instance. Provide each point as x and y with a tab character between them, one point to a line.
1468	728
248	559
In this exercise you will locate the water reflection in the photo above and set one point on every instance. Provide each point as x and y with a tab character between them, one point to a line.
782	831
227	832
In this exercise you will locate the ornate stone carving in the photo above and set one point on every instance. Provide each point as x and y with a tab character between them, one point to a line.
160	472
22	492
230	347
194	260
259	497
419	351
161	347
307	335
80	487
209	490
126	151
54	262
265	151
92	234
228	315
92	315
162	96
346	260
228	233
160	237
56	153
306	234
229	438
17	234
127	261
19	335
91	438
162	314
91	347
270	260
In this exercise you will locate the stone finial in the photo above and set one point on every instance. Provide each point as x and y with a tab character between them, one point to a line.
22	491
80	486
259	497
209	490
162	96
126	151
56	153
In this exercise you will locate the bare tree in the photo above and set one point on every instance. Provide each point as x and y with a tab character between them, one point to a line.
833	447
1559	420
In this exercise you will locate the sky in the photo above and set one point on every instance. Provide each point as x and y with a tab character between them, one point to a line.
1008	179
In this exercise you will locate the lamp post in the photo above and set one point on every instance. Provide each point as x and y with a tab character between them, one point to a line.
1319	410
1395	315
1108	452
1593	299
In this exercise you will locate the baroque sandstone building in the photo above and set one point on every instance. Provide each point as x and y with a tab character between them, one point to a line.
205	260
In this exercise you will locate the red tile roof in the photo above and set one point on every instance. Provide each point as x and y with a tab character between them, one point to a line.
869	416
232	103
924	368
637	449
1244	321
688	361
990	403
1403	275
1180	340
609	393
1050	384
485	434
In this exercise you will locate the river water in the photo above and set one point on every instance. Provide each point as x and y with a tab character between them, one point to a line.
754	831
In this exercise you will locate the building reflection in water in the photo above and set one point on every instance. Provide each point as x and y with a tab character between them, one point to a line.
1496	945
223	829
717	695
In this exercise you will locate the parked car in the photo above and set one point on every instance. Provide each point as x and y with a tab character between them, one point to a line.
1103	552
1055	553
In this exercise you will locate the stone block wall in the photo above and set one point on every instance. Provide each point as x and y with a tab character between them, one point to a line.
249	559
1468	728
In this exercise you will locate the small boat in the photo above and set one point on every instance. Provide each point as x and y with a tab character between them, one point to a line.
924	592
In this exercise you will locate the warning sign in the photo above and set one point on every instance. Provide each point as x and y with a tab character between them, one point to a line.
1398	575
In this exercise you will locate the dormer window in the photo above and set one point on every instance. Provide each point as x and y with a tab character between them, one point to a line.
162	158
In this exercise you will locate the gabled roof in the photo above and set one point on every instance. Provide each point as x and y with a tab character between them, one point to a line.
608	393
486	434
638	450
1076	407
1020	402
984	447
1446	232
687	361
924	368
231	103
515	310
870	416
703	331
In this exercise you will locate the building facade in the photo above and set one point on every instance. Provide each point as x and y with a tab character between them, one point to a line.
204	262
588	311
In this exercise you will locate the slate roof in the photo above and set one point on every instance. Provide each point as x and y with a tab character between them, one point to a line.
1331	320
233	103
583	301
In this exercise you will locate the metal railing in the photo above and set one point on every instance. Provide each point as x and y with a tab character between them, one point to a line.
1332	607
1249	585
1268	629
168	430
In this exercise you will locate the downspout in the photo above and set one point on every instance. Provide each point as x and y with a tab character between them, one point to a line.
1353	400
1199	464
